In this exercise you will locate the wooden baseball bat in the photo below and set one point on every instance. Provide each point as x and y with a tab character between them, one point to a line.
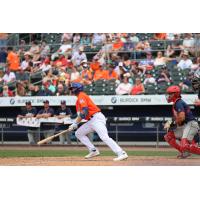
48	139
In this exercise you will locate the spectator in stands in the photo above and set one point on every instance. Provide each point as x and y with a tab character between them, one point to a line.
98	39
51	87
95	64
160	36
169	52
61	90
66	47
75	75
64	76
33	90
124	88
134	38
111	73
169	36
47	129
3	56
12	60
177	43
6	92
44	91
141	48
62	112
118	44
138	87
9	76
188	43
195	64
85	39
48	75
29	112
187	83
146	64
197	44
185	62
100	74
161	60
149	79
35	50
44	49
3	39
79	56
107	47
61	62
137	70
22	49
46	66
22	76
76	38
163	75
67	37
86	75
25	63
20	89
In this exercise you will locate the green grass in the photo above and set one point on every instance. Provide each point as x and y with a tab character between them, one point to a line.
76	153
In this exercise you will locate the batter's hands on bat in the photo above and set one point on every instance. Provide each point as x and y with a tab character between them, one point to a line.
73	126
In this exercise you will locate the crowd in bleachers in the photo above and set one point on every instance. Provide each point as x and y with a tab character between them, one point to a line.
106	63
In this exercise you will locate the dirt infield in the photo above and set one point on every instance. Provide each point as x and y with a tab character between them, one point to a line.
97	161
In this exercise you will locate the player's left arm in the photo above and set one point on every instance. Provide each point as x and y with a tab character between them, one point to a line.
180	118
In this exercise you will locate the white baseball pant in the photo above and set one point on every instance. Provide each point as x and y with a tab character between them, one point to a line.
98	124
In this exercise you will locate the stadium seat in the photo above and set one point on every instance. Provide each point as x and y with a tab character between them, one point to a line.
162	87
151	89
36	78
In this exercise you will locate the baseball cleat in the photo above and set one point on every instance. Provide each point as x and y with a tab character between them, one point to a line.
184	155
92	154
121	156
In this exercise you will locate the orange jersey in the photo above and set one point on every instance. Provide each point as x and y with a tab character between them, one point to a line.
85	101
111	75
100	74
86	74
13	61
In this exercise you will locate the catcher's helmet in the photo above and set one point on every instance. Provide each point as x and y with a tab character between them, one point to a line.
76	87
173	93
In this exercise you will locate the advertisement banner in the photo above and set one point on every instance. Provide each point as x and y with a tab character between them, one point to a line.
114	100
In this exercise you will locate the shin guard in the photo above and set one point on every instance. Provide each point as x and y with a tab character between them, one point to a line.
171	139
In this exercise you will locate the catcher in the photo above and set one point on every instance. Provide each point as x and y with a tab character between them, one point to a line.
184	127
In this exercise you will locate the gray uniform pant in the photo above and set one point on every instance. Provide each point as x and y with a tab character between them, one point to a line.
33	136
48	133
188	130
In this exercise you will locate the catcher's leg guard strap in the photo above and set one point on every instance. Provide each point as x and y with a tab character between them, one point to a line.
185	144
191	147
171	139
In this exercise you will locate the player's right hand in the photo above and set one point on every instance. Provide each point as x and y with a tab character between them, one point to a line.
73	126
167	124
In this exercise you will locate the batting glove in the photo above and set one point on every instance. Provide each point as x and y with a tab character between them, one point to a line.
73	126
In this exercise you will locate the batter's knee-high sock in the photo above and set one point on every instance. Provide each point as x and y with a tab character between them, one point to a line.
170	138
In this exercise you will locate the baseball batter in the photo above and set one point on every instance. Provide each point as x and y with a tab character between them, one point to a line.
86	109
184	127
